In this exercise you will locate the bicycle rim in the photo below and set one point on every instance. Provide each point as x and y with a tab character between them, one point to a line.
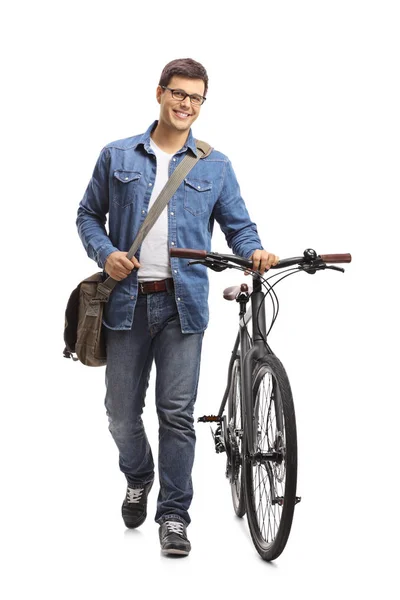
270	468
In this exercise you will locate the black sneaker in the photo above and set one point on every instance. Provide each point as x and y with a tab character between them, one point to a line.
134	507
173	537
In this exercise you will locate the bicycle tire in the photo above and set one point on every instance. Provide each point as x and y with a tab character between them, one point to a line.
270	485
235	436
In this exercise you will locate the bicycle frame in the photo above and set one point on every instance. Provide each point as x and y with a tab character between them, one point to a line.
248	353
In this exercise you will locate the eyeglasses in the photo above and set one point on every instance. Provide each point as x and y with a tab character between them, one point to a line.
182	95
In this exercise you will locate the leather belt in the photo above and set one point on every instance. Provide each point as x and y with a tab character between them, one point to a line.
151	287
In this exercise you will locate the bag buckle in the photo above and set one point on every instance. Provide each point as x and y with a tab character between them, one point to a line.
102	294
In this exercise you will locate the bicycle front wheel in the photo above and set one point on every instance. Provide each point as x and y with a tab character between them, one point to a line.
270	466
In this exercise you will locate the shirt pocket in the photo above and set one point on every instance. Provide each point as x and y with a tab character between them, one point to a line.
125	184
197	196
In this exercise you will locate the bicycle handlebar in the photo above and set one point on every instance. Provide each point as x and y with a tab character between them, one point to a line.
187	253
308	257
336	258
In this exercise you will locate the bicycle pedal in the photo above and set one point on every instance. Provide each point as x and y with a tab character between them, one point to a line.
298	499
209	419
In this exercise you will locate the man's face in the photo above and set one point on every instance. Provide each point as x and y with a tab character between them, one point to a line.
179	114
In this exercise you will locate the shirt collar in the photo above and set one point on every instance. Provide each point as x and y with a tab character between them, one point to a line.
145	141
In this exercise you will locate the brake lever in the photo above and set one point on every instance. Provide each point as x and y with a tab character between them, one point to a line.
312	267
210	264
197	262
335	268
315	266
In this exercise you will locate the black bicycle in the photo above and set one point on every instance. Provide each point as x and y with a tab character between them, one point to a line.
258	429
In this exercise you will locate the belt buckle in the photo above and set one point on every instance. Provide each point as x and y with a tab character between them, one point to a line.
141	287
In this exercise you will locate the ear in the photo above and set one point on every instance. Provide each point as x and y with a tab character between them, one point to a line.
159	93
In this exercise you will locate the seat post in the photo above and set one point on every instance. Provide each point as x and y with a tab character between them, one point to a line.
243	298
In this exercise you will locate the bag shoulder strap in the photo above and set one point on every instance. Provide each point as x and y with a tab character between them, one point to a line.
205	148
179	174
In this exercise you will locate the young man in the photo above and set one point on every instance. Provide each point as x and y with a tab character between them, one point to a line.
159	309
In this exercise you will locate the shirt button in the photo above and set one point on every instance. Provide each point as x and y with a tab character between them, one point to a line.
126	178
175	271
178	299
172	214
198	187
150	184
174	159
133	297
172	243
143	212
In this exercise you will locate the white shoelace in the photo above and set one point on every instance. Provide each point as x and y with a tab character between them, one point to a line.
175	527
133	495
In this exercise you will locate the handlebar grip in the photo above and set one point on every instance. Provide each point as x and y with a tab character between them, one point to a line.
336	258
187	253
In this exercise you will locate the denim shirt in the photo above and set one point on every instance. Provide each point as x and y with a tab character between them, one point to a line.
121	187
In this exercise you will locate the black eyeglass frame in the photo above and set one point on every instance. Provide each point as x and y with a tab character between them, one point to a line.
203	98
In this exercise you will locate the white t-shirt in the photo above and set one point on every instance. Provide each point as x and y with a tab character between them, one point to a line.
154	253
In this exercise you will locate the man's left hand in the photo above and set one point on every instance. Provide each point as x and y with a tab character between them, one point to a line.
263	260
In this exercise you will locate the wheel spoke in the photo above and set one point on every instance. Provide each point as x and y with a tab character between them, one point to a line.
264	512
267	508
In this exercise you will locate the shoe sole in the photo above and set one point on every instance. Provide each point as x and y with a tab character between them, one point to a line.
176	551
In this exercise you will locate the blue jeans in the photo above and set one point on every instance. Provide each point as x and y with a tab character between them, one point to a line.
155	334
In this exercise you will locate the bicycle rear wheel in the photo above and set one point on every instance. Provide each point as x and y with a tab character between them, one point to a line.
270	467
235	437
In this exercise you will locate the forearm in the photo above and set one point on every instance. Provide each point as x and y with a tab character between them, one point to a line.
94	236
241	234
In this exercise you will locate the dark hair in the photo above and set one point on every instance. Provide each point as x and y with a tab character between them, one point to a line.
185	67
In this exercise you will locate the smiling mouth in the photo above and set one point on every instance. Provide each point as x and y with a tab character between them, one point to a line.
181	114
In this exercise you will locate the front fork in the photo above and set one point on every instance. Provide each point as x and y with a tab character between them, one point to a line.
248	361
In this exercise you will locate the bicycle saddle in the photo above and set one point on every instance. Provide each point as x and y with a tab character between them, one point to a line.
232	292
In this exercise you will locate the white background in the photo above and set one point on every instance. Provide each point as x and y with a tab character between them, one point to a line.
304	99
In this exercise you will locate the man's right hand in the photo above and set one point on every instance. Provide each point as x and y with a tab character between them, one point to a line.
118	266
